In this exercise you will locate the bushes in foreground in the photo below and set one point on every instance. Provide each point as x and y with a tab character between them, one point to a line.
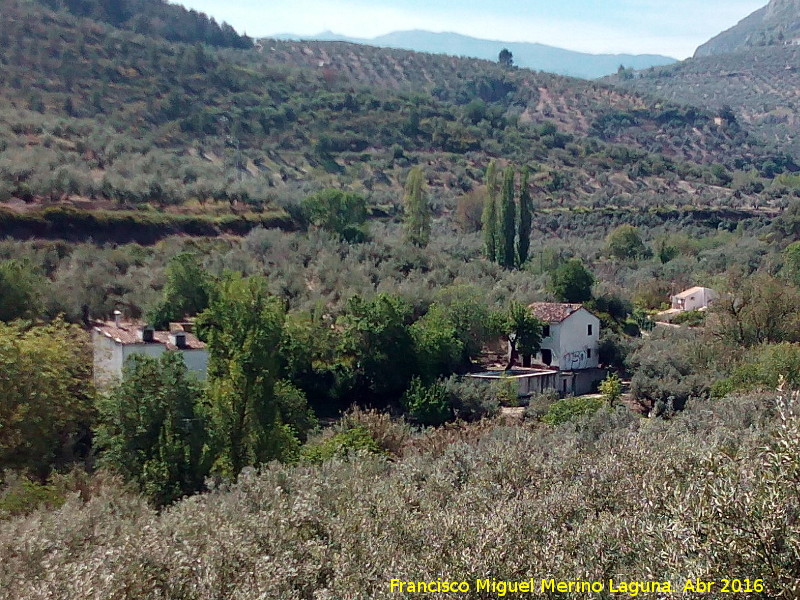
712	493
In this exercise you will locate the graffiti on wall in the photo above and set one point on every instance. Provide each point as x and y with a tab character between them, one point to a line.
572	361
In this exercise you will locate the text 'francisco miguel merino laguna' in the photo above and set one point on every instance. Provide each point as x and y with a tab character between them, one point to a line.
542	586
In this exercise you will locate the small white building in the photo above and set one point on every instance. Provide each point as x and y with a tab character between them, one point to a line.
113	342
696	298
568	357
570	336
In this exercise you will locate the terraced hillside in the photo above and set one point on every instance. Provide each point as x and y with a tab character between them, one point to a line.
760	85
574	106
104	118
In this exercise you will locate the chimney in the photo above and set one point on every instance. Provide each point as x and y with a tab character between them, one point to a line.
117	318
178	339
147	334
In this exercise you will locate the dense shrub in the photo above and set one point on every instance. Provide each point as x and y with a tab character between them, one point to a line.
770	367
674	365
470	399
731	470
427	404
341	445
570	409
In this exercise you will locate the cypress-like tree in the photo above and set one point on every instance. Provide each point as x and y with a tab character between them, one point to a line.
507	222
417	210
525	219
489	216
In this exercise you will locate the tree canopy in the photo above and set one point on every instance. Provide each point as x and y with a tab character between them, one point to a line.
572	282
46	396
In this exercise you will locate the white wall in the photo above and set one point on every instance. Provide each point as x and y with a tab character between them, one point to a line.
572	346
699	299
578	349
110	357
196	361
153	350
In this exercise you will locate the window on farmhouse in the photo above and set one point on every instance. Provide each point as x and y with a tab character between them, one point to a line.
546	331
588	353
589	329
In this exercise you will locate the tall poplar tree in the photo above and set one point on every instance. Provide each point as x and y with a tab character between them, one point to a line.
525	219
417	209
489	216
506	255
243	325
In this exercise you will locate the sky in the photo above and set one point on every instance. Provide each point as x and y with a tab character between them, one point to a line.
670	27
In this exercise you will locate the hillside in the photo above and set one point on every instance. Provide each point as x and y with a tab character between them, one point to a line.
759	85
776	24
104	118
539	57
156	18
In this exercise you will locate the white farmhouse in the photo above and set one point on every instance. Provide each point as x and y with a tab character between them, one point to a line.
696	298
570	336
568	357
113	342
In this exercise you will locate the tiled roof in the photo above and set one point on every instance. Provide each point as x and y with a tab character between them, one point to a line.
553	312
128	334
689	292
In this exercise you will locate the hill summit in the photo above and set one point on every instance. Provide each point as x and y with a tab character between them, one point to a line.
776	24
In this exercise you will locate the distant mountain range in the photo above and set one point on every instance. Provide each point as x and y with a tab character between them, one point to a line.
532	56
776	24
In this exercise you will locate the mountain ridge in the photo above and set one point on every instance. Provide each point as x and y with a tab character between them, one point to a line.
776	24
531	55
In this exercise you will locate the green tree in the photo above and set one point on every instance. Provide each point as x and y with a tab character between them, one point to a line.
506	58
337	211
468	311
243	325
376	346
185	292
522	330
572	282
20	291
625	242
611	388
46	395
507	222
427	404
437	347
489	216
757	309
151	430
417	209
791	263
525	222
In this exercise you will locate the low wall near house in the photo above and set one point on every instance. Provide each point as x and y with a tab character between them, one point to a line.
586	381
537	381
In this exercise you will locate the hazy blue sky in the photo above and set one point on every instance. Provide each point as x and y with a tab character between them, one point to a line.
671	27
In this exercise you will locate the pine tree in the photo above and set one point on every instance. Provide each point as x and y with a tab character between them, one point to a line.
525	220
507	222
489	216
417	210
